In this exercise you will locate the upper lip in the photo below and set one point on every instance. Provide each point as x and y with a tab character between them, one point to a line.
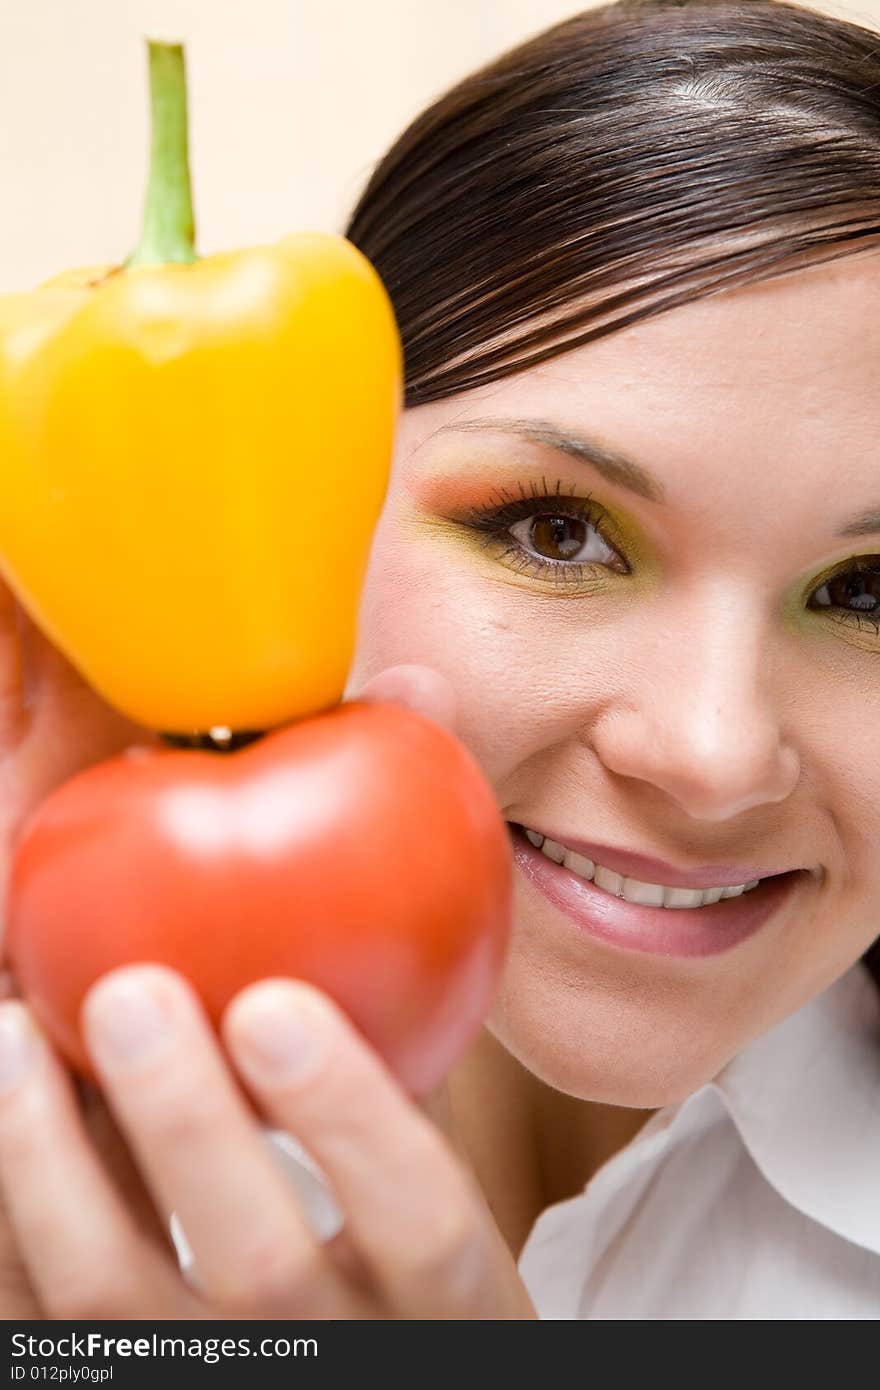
646	869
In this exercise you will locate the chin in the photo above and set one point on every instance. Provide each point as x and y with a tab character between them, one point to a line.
615	1047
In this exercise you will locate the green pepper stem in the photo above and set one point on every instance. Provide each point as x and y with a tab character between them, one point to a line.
168	231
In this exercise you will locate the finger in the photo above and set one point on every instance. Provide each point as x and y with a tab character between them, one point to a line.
12	688
411	1210
200	1150
60	695
84	1256
110	1144
416	687
48	664
56	691
70	725
17	1297
8	984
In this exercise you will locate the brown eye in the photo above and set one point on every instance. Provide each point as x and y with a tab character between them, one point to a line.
853	590
545	532
561	538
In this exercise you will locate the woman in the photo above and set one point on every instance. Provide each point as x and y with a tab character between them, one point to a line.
629	553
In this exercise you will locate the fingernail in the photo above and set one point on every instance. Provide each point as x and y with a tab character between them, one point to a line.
19	1045
275	1039
126	1023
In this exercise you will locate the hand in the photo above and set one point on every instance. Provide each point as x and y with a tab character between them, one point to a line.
88	1199
419	1242
51	725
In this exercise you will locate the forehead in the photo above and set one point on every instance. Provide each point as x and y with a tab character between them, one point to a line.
784	369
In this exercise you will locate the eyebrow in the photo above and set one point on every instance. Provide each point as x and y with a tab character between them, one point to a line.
866	524
616	467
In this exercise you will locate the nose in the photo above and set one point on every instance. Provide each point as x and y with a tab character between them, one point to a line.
698	721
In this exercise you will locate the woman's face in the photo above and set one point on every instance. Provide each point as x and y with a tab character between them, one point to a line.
672	654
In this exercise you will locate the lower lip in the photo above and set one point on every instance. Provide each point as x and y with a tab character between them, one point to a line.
661	931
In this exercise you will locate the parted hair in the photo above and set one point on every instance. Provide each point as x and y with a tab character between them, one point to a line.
629	159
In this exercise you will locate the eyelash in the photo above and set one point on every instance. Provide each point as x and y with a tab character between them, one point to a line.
863	565
492	524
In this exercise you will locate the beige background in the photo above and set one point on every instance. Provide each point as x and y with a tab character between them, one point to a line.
292	102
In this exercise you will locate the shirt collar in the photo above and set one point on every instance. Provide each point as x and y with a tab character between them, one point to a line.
805	1098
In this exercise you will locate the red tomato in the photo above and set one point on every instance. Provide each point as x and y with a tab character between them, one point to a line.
361	850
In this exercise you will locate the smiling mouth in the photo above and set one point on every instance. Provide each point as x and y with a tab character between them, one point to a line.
598	901
637	891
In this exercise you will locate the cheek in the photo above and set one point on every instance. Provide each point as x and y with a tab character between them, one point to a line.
838	733
419	605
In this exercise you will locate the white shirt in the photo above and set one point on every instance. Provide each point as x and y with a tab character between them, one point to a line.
756	1198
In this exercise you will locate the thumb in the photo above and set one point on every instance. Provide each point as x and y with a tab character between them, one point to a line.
418	688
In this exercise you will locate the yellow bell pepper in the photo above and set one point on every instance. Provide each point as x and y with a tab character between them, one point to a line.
194	456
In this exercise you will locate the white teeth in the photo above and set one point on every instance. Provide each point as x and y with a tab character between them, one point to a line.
579	864
609	880
645	894
553	851
682	897
632	889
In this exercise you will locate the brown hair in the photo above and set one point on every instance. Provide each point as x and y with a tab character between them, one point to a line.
625	161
